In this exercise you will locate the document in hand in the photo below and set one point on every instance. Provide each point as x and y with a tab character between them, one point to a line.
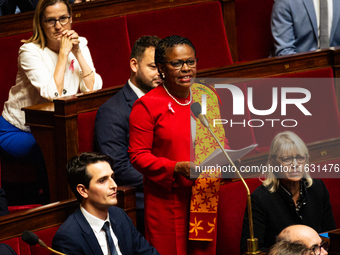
217	158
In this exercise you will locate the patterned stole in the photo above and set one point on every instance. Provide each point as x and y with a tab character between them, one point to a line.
205	192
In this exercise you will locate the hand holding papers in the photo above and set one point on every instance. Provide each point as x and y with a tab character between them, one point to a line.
218	157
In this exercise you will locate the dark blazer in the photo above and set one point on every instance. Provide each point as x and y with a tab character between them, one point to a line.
294	26
111	136
5	249
272	212
75	236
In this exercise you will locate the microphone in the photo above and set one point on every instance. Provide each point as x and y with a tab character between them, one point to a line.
32	239
197	111
252	243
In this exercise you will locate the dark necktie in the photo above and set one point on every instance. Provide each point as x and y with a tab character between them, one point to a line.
110	243
324	38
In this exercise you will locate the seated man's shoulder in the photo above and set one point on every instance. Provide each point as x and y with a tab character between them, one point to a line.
115	103
69	225
117	212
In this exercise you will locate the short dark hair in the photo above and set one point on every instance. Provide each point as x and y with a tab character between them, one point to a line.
141	44
170	42
77	170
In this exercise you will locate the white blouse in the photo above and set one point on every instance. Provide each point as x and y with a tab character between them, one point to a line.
35	82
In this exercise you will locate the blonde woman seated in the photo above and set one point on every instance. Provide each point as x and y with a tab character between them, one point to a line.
54	62
289	196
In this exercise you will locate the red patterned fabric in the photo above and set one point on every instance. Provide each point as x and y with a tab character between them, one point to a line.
110	48
202	24
205	192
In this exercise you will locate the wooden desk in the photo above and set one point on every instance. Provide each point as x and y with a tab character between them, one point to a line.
54	126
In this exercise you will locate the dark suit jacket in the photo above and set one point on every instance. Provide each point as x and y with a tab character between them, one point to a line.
5	249
272	212
111	137
294	26
75	236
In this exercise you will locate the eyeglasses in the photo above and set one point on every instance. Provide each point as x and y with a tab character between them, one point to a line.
289	160
178	64
317	248
63	21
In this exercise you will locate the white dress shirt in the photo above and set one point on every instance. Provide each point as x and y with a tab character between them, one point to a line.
137	90
35	80
96	225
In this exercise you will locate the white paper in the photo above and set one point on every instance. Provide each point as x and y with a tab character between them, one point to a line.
218	158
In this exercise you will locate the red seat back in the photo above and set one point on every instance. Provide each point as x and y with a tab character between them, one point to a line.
239	135
9	63
231	207
86	130
110	48
254	38
324	122
202	24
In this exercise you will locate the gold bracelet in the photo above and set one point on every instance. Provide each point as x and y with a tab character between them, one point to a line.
87	74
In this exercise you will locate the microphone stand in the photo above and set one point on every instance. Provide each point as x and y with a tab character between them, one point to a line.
42	244
252	243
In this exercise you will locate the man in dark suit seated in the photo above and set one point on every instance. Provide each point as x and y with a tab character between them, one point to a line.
97	227
301	26
111	132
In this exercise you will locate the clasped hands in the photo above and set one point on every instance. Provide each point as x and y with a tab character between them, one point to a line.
69	42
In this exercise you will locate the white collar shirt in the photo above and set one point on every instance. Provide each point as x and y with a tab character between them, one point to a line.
96	225
137	90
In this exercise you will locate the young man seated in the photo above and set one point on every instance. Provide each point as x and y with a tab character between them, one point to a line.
97	227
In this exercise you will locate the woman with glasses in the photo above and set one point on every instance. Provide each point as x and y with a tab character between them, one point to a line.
54	62
161	142
288	195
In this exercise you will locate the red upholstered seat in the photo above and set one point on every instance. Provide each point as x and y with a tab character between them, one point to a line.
202	24
9	63
110	48
324	122
45	235
19	208
239	135
231	207
15	244
22	248
86	130
254	38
